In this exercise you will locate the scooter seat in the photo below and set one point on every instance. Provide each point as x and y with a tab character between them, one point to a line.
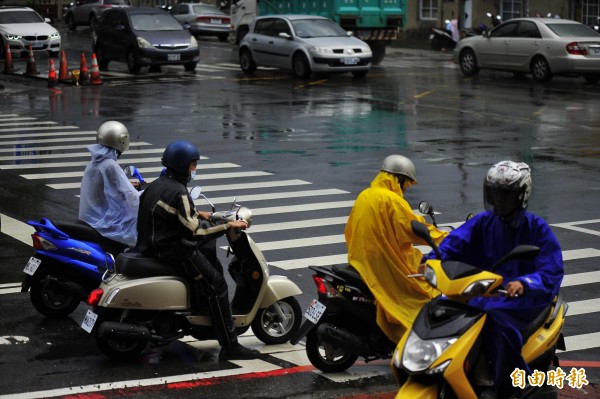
348	273
536	323
135	264
82	231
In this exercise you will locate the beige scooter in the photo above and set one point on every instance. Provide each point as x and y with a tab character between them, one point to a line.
141	301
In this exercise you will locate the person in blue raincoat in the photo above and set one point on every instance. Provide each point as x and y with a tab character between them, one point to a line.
108	200
531	285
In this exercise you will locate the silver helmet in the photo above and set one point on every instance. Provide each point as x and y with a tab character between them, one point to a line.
113	134
512	177
400	165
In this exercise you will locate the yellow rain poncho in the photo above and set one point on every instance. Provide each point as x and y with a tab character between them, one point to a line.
380	247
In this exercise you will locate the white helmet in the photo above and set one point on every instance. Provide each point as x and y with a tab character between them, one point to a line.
113	134
509	176
400	165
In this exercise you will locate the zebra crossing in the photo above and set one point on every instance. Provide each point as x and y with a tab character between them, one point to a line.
296	224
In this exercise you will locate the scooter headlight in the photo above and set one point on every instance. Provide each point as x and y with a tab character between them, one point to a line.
419	354
478	287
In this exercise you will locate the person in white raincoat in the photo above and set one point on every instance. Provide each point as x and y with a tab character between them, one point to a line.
109	202
380	242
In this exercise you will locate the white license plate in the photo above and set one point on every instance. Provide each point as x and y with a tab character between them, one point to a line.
350	60
315	311
215	21
89	320
594	50
32	265
36	44
173	57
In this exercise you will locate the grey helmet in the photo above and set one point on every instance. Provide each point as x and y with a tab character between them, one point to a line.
113	134
513	177
400	165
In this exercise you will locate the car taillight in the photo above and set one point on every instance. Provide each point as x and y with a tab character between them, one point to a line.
106	6
202	19
324	288
573	48
94	297
40	243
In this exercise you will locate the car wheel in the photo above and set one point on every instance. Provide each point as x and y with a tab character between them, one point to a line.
592	78
468	63
300	66
190	66
101	58
132	64
241	32
246	62
92	23
540	69
378	49
70	21
223	37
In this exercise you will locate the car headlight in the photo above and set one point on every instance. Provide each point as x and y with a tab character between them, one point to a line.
419	354
13	37
321	50
193	42
143	43
365	50
55	35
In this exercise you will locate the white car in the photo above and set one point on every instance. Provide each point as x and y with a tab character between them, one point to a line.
542	47
21	27
304	44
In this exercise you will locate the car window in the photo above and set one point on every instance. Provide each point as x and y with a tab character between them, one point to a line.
572	30
180	9
154	22
205	9
280	26
505	30
528	29
263	26
19	17
118	2
317	28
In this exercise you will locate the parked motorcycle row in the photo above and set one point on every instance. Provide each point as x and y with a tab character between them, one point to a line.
136	301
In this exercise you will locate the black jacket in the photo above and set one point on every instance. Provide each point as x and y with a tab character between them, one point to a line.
168	225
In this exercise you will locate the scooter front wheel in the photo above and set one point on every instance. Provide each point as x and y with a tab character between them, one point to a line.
277	323
48	298
326	357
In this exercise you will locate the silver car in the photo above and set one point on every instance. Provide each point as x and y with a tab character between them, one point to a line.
203	19
541	46
304	44
87	12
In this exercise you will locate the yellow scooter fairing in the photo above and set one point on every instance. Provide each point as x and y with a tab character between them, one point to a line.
415	390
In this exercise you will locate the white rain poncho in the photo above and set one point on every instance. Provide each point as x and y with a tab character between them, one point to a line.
109	202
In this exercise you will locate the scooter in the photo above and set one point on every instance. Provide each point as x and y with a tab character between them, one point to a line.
69	261
341	324
140	301
440	39
441	356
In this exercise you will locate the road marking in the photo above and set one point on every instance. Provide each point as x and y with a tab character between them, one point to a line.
42	123
584	307
85	154
581	342
30	128
580	253
574	226
299	224
48	134
201	177
581	278
16	229
302	207
59	147
262	197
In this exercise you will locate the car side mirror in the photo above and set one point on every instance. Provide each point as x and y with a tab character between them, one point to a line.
285	35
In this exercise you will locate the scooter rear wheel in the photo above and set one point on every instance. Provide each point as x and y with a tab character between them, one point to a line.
277	323
326	357
49	301
119	348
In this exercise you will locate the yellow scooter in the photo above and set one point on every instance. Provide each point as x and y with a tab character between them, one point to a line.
441	356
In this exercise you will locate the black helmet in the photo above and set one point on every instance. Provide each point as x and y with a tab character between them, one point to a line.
178	155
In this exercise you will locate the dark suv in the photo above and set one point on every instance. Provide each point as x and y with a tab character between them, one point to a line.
87	12
143	37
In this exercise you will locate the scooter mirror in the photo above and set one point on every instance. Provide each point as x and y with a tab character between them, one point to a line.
195	192
425	207
132	172
129	171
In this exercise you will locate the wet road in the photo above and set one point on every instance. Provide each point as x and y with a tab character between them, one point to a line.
307	148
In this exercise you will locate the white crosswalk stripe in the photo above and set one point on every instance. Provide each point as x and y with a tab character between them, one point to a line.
301	219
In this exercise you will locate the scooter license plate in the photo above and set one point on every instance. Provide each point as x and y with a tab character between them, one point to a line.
89	320
32	265
315	311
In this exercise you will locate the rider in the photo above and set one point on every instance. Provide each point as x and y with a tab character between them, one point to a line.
108	200
170	229
380	246
531	285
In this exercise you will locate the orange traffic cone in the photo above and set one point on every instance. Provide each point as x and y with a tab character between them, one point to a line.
8	62
31	68
52	79
63	72
84	79
95	73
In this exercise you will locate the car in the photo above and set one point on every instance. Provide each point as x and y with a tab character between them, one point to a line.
21	27
304	44
203	19
542	47
87	12
143	37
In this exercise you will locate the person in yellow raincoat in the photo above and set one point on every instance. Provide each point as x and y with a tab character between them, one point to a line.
380	242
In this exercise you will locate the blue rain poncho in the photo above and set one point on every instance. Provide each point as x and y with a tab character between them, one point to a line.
109	202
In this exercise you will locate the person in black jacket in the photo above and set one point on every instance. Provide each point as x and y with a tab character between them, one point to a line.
170	229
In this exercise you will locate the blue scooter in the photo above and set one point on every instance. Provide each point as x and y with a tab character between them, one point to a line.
69	261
